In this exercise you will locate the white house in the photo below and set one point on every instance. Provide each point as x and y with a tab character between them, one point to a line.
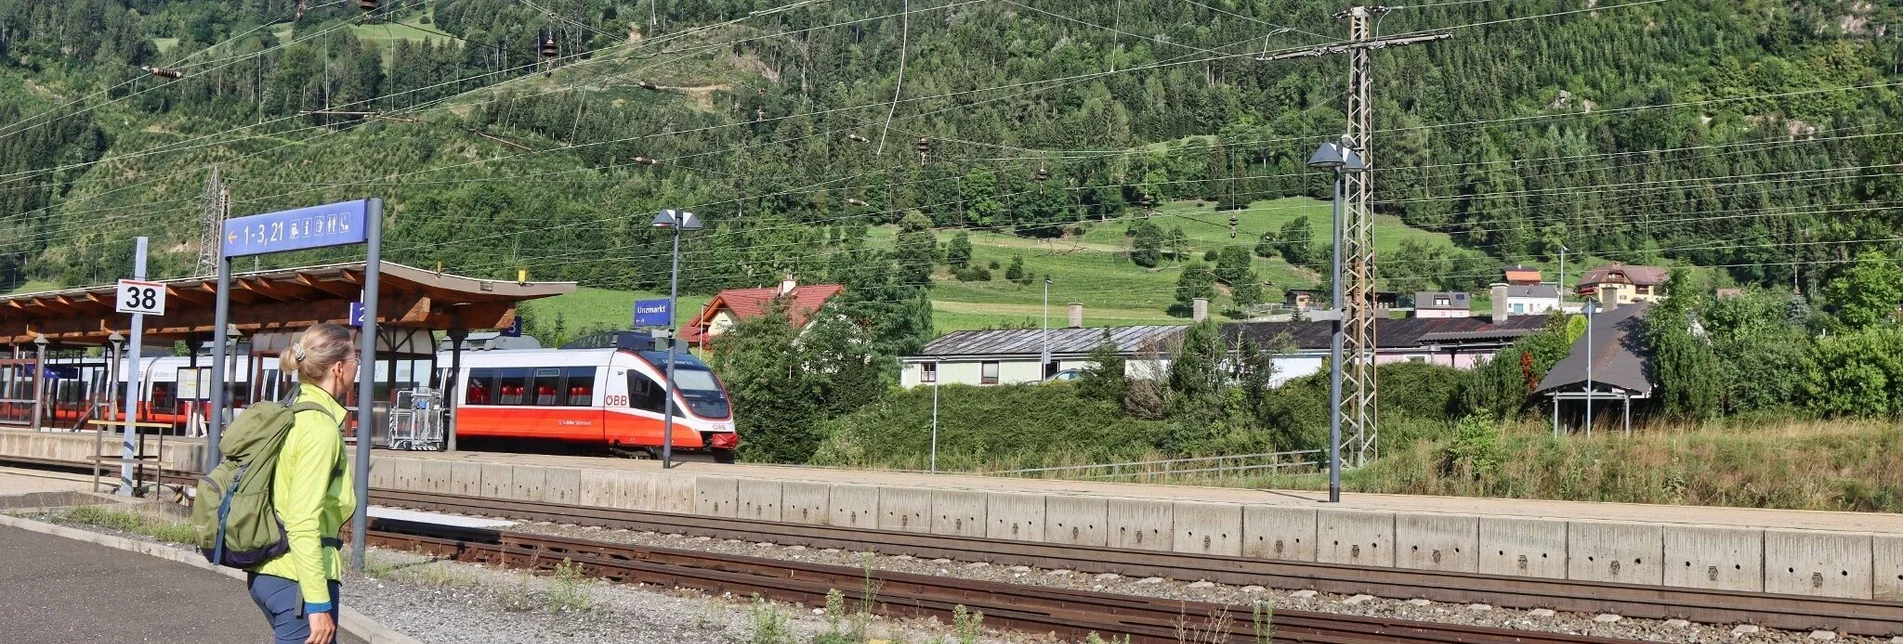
1442	304
1526	300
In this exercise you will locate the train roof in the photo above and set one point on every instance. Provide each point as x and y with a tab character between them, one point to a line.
557	358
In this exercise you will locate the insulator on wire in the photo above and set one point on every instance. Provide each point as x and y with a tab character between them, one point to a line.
1146	201
548	46
856	201
1233	222
1042	175
367	5
649	86
645	161
855	138
164	72
924	149
300	11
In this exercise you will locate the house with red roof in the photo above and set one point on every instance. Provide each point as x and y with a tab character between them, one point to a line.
731	306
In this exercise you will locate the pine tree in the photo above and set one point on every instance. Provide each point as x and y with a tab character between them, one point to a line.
1298	242
958	252
1015	272
1232	262
1197	281
1146	245
916	250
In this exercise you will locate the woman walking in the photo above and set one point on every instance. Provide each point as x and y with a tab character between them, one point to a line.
311	492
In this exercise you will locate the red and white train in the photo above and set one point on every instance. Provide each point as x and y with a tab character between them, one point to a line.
602	390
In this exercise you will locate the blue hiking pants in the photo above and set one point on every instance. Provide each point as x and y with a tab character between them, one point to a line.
283	605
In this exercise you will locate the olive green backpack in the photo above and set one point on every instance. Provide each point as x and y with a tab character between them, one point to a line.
232	515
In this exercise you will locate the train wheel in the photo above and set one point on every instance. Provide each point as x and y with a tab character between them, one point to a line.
724	456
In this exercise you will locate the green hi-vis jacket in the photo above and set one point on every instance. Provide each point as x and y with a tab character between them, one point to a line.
313	497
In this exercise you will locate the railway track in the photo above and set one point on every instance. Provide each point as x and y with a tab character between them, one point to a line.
1070	614
1784	612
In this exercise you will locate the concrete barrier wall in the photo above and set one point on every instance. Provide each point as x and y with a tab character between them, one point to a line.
1802	562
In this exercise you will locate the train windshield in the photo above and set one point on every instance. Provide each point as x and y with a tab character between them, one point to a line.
695	381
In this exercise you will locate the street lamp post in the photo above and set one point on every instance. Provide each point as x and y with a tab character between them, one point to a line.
113	368
1592	306
1340	158
1045	364
39	380
677	221
934	417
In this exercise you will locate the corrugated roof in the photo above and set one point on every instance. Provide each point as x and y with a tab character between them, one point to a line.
1619	357
1389	333
1129	340
1543	291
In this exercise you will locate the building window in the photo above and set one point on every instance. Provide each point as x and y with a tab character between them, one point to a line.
1441	301
988	374
1519	308
928	372
1642	290
1416	359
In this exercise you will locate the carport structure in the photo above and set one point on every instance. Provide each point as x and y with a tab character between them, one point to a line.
267	309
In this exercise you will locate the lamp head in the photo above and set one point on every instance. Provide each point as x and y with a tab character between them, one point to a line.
676	219
40	341
1327	157
116	339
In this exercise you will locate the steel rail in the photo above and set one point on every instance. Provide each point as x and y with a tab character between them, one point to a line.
1784	612
1779	611
1071	614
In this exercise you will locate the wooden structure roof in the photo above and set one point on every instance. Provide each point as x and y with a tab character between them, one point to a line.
272	300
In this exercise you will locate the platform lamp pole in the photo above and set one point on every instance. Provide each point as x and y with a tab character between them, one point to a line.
1592	306
1342	159
677	221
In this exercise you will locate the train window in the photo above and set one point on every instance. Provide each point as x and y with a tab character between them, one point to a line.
548	387
512	386
482	387
644	393
581	386
162	396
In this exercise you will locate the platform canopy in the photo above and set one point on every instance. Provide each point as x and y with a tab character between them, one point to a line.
275	300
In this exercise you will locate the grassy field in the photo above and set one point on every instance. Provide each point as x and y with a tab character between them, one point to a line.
1093	269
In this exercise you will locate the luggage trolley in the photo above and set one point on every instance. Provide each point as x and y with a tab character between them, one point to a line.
416	420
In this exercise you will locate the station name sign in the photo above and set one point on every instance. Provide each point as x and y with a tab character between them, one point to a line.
337	224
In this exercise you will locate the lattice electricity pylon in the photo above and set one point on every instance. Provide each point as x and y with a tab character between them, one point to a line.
1359	402
210	224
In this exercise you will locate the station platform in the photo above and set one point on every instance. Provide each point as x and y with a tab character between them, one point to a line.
1832	554
85	592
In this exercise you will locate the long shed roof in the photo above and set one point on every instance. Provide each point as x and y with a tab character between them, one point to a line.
1129	340
277	299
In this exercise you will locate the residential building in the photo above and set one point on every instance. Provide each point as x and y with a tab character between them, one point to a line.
1618	284
1526	300
1013	356
1442	304
731	306
1518	275
1302	299
1461	342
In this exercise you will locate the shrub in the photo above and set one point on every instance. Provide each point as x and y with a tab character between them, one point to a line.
973	274
997	427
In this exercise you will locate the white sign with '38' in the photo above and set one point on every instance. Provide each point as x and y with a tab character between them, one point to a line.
141	297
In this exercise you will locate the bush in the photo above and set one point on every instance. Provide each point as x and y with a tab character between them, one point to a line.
994	265
973	274
985	428
1210	255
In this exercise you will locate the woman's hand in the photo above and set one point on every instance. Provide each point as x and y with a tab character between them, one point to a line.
323	629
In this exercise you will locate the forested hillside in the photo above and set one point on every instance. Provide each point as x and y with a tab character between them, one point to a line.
1751	135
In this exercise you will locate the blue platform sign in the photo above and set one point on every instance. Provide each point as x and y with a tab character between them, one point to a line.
652	313
515	328
337	224
356	314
